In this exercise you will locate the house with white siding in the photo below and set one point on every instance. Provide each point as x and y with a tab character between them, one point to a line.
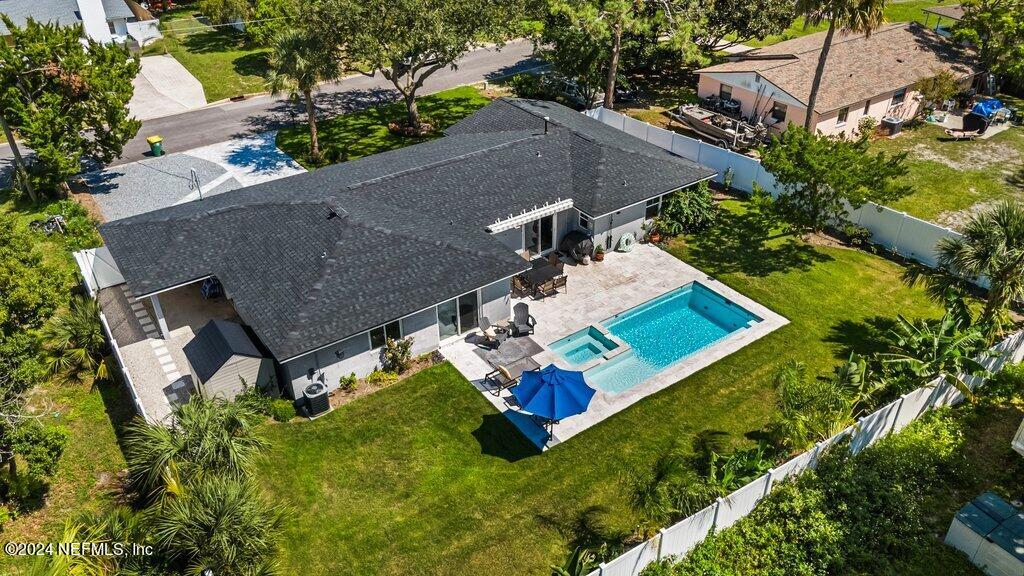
101	20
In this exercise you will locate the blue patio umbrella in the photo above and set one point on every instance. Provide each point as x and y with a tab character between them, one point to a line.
553	393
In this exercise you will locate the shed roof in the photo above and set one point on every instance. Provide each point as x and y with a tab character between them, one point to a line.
859	67
953	11
216	343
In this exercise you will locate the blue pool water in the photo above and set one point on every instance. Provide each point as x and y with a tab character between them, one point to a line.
664	331
583	346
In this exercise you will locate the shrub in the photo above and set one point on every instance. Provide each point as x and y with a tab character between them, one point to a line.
282	409
5	515
856	236
381	378
397	354
866	124
348	383
41	446
687	211
526	85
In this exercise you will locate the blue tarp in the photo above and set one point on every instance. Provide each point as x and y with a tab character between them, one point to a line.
553	393
986	108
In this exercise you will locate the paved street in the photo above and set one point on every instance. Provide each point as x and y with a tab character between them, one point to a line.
258	115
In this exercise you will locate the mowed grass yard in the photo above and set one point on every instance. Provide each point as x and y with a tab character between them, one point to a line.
895	11
952	180
220	58
365	132
425	477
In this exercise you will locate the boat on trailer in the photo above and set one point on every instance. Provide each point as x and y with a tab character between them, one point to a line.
725	132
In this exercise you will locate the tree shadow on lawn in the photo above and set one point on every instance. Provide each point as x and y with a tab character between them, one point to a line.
866	337
737	243
500	438
215	41
253	64
584	528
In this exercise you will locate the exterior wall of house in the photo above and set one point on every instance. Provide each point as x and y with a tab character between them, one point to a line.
608	229
513	238
877	107
120	27
745	87
227	382
354	355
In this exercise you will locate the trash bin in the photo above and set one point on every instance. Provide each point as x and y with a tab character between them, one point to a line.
156	145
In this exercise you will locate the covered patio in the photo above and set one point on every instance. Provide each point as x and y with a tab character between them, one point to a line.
595	293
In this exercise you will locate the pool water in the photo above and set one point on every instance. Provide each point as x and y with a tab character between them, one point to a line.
664	331
581	347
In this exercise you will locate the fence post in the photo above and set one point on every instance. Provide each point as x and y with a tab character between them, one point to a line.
661	541
814	455
896	418
768	484
714	519
899	234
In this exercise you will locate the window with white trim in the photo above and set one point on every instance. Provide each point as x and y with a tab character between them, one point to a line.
725	92
584	221
380	334
899	96
779	112
844	113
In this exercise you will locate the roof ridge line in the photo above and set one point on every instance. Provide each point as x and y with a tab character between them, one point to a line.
438	163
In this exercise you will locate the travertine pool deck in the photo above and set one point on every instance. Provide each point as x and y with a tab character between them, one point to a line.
595	293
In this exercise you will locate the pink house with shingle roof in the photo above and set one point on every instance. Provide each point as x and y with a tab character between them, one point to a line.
864	76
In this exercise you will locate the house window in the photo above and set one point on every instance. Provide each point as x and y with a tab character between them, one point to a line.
898	96
725	92
779	112
110	26
843	115
584	221
867	107
380	334
653	208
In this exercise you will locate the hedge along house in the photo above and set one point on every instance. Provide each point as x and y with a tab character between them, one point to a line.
418	242
864	76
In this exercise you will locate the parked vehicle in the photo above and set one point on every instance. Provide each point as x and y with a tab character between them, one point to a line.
725	132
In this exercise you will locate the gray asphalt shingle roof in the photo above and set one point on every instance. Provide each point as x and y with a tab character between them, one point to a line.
311	259
62	12
216	343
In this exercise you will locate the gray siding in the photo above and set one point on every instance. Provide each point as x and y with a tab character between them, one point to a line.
496	301
513	238
227	382
613	226
328	365
423	329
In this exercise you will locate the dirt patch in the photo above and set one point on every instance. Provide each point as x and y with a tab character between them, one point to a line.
972	155
957	218
80	194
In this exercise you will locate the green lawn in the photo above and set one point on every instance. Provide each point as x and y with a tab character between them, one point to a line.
426	478
365	132
87	473
895	11
953	179
220	58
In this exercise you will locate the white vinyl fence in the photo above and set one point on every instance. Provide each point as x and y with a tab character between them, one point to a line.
679	539
899	232
124	369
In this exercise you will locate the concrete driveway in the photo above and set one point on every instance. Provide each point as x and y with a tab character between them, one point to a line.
164	87
155	183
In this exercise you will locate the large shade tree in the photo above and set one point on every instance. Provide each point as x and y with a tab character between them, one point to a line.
407	41
856	16
65	97
722	24
996	28
301	60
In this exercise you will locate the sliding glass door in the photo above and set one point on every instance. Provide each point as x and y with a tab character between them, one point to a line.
458	316
540	235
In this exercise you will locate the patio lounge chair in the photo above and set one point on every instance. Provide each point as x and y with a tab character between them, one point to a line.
493	336
507	377
522	321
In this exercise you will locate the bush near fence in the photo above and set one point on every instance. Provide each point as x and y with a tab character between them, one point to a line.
896	231
682	537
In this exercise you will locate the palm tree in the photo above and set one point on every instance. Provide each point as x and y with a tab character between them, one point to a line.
206	437
857	16
219	523
991	246
75	341
927	350
299	62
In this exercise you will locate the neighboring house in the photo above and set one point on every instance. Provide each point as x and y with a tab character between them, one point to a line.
945	17
101	20
421	241
864	76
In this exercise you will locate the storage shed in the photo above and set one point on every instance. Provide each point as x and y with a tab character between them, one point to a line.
224	360
991	533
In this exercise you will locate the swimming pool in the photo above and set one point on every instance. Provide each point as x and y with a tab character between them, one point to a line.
581	347
664	331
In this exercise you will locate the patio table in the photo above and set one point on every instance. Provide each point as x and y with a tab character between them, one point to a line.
541	273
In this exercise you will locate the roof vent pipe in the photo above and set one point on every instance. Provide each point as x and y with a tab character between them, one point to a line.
546	119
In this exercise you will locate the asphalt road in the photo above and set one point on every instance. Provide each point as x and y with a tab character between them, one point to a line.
223	122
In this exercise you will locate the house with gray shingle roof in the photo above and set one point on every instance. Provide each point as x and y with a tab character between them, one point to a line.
422	241
101	20
864	76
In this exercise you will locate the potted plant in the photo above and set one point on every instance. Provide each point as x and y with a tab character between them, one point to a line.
653	234
599	254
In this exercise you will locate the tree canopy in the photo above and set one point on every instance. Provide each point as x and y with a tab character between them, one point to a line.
66	97
996	28
724	23
819	173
